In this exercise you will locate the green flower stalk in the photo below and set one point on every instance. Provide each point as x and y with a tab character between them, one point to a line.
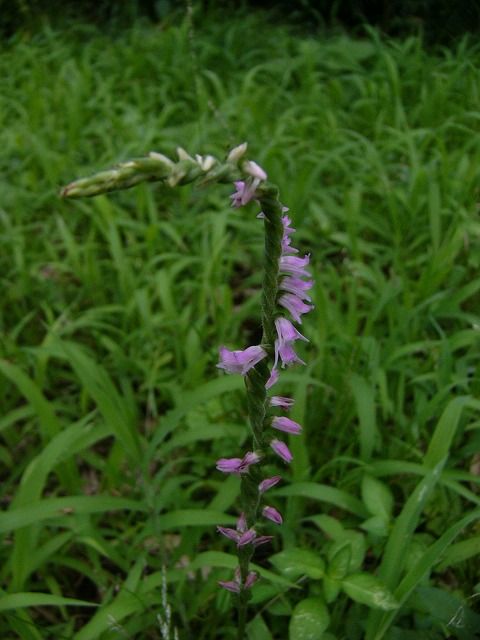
285	285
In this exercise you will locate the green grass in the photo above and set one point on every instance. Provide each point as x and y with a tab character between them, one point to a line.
113	308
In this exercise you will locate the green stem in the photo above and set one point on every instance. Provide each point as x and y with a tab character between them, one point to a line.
255	383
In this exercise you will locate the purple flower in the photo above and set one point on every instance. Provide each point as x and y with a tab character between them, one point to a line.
246	538
262	540
230	585
297	286
287	334
285	424
229	533
237	465
246	191
272	514
287	229
287	246
272	379
268	483
240	361
295	305
242	523
281	401
295	266
281	450
235	585
241	535
251	579
242	195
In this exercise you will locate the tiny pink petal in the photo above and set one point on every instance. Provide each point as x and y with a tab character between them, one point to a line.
229	465
272	514
286	331
229	533
281	450
285	424
295	306
251	579
272	379
268	483
247	538
294	265
240	361
282	401
230	585
254	170
242	523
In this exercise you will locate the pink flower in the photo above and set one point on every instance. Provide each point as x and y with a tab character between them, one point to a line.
297	286
251	579
281	401
268	483
246	538
246	191
235	585
272	514
295	305
230	585
242	523
281	450
243	194
262	540
254	170
240	361
272	379
287	334
238	465
285	424
229	533
295	266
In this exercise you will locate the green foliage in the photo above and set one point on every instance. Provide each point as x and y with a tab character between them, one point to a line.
113	412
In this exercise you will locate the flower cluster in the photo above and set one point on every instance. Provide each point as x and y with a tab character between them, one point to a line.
294	282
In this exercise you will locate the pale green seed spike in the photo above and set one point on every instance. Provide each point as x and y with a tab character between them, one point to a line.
155	167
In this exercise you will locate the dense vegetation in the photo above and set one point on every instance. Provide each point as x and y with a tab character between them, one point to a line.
113	309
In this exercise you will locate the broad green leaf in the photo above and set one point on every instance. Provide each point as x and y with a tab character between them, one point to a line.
376	525
99	385
377	497
414	576
339	555
309	620
192	518
331	589
334	530
460	552
294	563
58	507
258	630
364	395
49	423
441	441
405	525
324	493
369	590
13	601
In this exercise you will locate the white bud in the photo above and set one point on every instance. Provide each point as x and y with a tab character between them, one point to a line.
161	158
254	170
208	163
183	155
236	153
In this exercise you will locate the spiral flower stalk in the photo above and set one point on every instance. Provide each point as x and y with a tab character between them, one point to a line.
285	287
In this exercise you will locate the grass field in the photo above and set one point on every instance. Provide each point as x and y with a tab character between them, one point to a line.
113	308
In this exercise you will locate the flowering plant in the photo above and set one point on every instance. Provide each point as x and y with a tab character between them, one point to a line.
285	287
